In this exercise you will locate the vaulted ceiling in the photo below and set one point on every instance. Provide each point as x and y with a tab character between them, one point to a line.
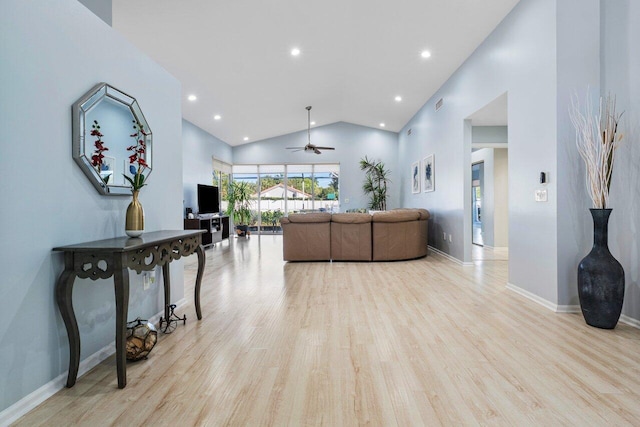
356	57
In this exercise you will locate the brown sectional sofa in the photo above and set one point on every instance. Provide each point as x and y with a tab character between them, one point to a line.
307	237
351	237
399	234
382	236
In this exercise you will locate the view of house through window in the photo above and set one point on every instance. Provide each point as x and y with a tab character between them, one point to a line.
278	190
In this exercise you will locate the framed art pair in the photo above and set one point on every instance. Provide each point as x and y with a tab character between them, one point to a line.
423	175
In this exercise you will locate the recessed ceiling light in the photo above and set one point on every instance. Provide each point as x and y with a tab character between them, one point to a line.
382	125
312	123
295	51
398	98
192	97
425	54
217	117
246	138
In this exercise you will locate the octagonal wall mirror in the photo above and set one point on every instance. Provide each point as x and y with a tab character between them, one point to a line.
108	125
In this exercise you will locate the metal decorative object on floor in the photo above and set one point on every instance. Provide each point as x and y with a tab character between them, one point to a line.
172	320
141	338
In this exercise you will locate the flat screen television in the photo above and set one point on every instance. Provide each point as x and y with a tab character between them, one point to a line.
208	199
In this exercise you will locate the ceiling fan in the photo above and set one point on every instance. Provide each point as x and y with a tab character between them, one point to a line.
309	148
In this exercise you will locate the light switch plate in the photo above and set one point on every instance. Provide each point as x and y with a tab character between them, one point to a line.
541	195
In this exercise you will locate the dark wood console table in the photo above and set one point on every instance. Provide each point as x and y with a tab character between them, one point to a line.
102	259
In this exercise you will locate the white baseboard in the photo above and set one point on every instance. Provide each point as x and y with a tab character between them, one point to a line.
451	258
568	309
533	297
543	302
630	321
565	308
33	399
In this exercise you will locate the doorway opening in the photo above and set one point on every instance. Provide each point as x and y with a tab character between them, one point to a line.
477	178
487	208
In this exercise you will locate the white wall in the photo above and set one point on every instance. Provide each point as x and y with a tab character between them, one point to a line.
501	198
578	56
198	149
495	208
51	55
102	8
620	75
490	134
485	155
351	142
519	57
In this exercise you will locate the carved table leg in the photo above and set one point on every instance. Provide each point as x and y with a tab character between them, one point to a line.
64	291
201	261
166	279
121	283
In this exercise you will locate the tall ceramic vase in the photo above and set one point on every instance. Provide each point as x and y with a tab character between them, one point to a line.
134	226
600	278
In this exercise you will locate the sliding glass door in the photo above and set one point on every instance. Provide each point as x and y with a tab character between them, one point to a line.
278	190
299	188
272	197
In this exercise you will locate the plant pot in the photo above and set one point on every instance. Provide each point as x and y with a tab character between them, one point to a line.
242	230
600	278
134	225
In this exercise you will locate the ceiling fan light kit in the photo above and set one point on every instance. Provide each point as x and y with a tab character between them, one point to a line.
309	148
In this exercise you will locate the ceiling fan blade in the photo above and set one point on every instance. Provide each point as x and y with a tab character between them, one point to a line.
317	151
295	148
325	148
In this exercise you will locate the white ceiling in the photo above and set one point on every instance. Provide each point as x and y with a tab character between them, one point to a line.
357	55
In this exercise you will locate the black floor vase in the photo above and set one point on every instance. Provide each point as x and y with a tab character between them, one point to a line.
601	278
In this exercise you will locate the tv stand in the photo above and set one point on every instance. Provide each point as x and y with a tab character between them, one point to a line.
216	228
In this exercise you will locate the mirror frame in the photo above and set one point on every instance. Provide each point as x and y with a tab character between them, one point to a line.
79	109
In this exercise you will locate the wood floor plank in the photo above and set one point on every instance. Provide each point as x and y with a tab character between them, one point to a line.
424	342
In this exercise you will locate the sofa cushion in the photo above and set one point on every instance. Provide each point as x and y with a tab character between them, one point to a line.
310	217
351	218
424	214
351	241
308	241
398	215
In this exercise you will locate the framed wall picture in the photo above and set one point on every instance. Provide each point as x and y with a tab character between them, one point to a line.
428	174
415	177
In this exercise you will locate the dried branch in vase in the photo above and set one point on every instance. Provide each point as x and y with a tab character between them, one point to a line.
597	139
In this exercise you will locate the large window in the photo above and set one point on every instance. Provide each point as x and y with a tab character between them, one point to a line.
221	178
272	196
283	189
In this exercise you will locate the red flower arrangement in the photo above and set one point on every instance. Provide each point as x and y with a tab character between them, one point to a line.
138	164
96	158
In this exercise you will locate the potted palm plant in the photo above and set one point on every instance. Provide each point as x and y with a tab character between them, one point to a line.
239	207
375	183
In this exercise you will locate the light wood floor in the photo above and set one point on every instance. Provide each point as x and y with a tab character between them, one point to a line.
485	253
424	342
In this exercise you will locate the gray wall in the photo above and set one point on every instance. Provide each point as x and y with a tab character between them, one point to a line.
485	155
495	207
620	75
198	149
501	197
519	57
351	142
489	134
50	57
578	56
102	8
